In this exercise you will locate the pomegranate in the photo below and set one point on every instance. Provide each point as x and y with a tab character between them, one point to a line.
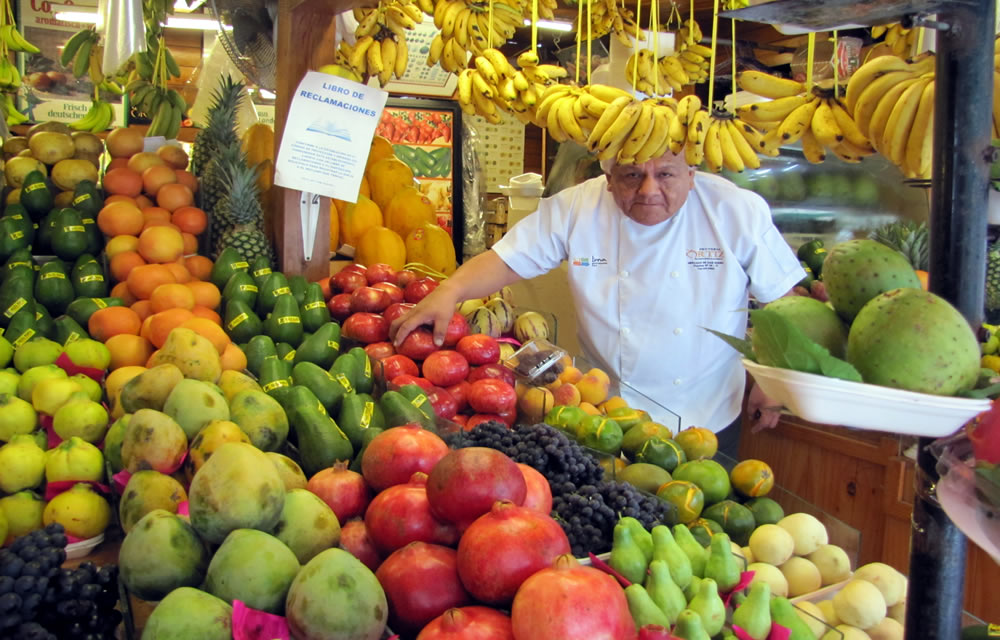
420	583
469	623
539	495
465	483
504	547
343	490
568	600
355	540
395	454
401	515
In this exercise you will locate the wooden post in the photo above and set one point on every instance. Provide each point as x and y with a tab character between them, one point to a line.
306	30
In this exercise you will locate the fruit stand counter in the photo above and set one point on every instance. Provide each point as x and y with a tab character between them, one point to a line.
862	478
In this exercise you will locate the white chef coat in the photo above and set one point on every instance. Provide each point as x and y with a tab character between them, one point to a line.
644	293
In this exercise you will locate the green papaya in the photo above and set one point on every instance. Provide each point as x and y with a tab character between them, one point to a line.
87	199
627	557
321	442
754	615
258	349
36	198
44	325
12	238
321	383
358	413
666	548
66	330
69	237
284	323
644	611
16	293
241	287
298	284
82	308
275	378
53	288
240	322
321	348
95	238
229	262
274	287
664	591
313	310
88	278
260	270
721	564
366	378
398	410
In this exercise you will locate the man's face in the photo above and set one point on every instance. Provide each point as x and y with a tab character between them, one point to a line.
653	192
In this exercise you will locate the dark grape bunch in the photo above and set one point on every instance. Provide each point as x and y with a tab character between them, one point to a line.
588	515
563	462
39	600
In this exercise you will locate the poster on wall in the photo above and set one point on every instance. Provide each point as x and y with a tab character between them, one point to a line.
51	91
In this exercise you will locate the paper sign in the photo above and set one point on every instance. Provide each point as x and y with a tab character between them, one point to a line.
327	136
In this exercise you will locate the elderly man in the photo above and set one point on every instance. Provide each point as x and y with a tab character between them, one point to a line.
657	253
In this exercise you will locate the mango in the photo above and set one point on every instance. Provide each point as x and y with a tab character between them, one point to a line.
214	435
291	473
149	389
147	491
253	567
335	596
160	554
261	418
232	382
189	613
193	404
192	354
307	525
237	488
153	441
113	440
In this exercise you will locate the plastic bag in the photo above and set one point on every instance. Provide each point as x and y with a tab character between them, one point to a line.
120	22
473	193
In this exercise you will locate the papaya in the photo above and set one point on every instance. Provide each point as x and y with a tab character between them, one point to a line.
241	287
69	237
321	442
240	322
261	418
258	349
307	525
53	289
284	323
357	218
431	245
88	278
260	270
313	310
381	244
36	198
82	308
229	262
189	613
147	491
253	567
161	553
318	380
408	210
322	347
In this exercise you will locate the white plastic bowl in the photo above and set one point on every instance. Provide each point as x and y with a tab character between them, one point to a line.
864	406
83	548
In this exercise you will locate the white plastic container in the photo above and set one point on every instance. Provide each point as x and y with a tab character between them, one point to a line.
83	548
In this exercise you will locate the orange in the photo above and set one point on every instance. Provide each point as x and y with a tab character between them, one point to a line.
204	312
123	181
121	291
111	321
161	244
119	244
120	218
200	267
174	196
924	278
118	198
146	331
187	179
162	323
190	219
180	271
118	163
206	294
156	176
143	202
190	243
123	263
233	358
144	309
171	296
210	331
158	214
144	279
128	350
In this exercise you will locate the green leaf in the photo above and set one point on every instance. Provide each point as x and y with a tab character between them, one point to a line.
740	344
779	343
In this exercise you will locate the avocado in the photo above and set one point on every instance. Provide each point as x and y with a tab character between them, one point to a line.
54	289
284	323
87	199
88	278
276	285
228	263
36	197
69	237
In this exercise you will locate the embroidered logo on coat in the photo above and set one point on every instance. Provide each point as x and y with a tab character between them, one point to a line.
592	261
705	258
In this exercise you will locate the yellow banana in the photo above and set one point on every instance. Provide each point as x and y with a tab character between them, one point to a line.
568	121
697	126
764	84
616	135
638	135
461	30
748	156
880	118
604	92
687	107
358	54
847	125
521	82
368	25
713	147
753	137
388	56
811	148
451	16
611	113
731	158
824	126
552	121
792	127
480	85
773	109
658	138
674	69
592	104
402	59
499	62
888	87
436	48
465	91
901	121
676	135
844	152
868	73
374	58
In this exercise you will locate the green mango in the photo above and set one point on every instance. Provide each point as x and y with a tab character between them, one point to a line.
665	548
627	557
754	615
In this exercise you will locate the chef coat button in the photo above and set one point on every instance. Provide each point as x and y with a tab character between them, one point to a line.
625	274
674	274
678	331
625	331
677	381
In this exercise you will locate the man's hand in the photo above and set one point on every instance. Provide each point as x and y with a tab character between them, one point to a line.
436	309
764	412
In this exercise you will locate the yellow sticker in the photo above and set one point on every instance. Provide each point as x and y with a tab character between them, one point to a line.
15	307
24	337
17	216
83	197
280	291
235	322
53	274
366	415
87	221
314	305
248	287
94	278
241	265
333	344
19	264
266	271
320	407
34	187
74	227
993	630
16	235
290	355
72	337
368	367
419	400
289	320
275	384
344	382
100	304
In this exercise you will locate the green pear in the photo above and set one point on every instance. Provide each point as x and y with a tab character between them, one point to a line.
22	464
89	353
689	627
754	615
16	417
709	606
665	548
34	375
35	353
627	557
692	548
644	611
640	535
664	591
722	565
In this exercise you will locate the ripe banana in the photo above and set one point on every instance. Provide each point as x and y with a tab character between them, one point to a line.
610	115
731	158
887	87
811	148
638	135
617	134
900	121
791	128
880	117
764	84
656	143
694	146
713	147
743	147
920	140
824	126
773	109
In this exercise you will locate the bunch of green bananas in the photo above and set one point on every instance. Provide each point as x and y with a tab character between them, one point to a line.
78	51
14	41
10	77
10	112
98	117
165	107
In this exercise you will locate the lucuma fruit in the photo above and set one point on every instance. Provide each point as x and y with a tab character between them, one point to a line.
189	613
254	568
160	554
856	271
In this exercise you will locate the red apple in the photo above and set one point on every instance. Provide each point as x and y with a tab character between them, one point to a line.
355	267
416	290
397	365
460	420
444	405
508	416
492	396
460	392
340	306
419	344
405	277
479	348
494	371
397	310
366	328
457	329
380	272
405	379
369	299
478	418
395	293
445	368
347	281
380	350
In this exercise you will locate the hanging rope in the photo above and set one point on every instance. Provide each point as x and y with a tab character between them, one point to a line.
711	71
489	36
534	26
590	39
732	62
579	40
654	28
836	67
635	45
810	55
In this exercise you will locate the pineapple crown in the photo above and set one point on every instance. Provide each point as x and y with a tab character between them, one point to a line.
239	178
226	100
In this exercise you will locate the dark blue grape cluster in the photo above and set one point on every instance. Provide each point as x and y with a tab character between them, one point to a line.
39	600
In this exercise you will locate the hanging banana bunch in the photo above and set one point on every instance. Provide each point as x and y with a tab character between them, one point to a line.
899	40
380	40
492	84
607	16
466	29
148	89
718	139
688	64
82	54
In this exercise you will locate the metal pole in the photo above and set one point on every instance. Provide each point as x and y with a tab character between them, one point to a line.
962	119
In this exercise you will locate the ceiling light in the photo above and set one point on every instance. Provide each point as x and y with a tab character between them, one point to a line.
267	95
76	16
551	25
196	22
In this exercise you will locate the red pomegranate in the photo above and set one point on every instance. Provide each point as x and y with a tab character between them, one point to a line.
465	483
469	623
355	540
568	600
503	547
539	495
401	515
397	453
343	490
420	583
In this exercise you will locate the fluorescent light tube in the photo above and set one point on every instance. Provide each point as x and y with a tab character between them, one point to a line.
551	25
195	22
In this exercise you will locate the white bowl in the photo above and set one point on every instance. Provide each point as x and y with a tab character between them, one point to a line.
84	547
864	406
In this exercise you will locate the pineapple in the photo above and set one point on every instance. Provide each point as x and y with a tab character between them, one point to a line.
248	240
993	277
215	185
220	132
908	238
237	215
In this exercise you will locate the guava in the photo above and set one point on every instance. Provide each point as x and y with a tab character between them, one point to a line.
35	353
6	351
90	386
83	418
16	416
52	393
23	512
31	377
88	353
8	380
83	512
74	459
